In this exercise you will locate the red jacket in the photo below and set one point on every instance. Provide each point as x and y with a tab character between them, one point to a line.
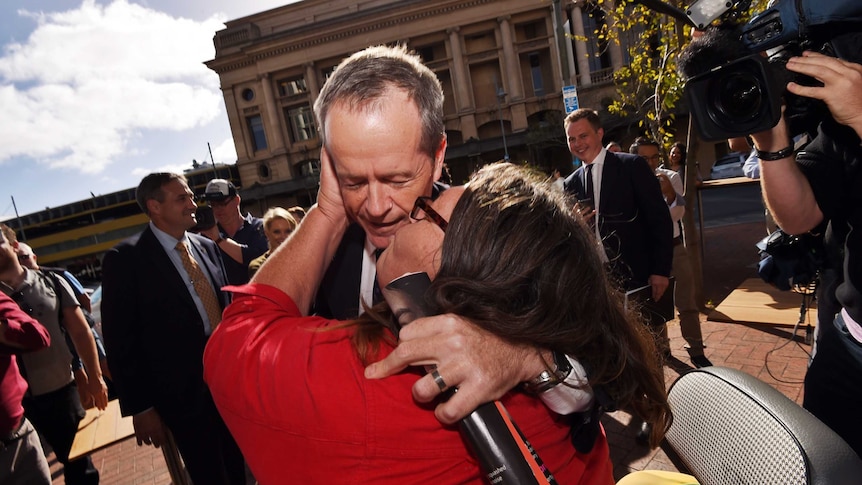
297	403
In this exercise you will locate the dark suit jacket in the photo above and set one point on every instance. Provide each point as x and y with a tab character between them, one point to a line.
153	332
633	219
338	295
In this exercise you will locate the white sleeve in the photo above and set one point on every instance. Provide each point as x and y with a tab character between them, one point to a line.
565	399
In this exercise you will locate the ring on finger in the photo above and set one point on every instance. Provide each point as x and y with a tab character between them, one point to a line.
438	379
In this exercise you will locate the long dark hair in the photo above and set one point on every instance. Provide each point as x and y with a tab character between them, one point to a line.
518	262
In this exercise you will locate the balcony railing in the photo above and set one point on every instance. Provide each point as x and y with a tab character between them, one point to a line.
602	76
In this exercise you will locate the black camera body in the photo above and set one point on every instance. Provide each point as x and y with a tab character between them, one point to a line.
733	90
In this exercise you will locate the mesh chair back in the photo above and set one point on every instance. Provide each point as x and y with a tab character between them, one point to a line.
731	428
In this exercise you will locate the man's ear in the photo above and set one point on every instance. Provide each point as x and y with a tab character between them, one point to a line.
439	157
153	206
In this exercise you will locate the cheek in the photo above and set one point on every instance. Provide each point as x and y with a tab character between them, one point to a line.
353	201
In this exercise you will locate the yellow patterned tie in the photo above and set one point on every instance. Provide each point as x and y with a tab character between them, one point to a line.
202	285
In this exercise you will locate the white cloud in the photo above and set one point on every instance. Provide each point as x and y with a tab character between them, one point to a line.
89	80
225	152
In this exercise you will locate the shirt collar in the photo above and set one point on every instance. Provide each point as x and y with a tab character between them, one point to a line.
600	158
166	240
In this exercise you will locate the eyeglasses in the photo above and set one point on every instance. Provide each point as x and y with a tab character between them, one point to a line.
422	209
220	203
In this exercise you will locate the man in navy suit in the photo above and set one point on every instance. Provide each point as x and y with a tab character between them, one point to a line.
621	198
161	300
625	206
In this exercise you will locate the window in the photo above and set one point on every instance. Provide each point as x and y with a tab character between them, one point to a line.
327	71
247	94
530	31
308	168
291	86
597	47
258	136
536	74
301	122
263	171
433	52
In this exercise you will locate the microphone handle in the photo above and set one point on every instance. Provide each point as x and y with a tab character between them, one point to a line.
505	456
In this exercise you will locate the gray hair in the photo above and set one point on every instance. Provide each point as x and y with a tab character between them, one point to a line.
363	78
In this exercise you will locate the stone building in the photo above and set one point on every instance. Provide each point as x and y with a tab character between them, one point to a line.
502	64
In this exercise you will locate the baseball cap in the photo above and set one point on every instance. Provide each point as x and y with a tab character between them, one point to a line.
219	189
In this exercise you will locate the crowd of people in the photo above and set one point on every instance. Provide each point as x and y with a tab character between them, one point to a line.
277	343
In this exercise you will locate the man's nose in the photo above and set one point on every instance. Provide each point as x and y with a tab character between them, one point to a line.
379	200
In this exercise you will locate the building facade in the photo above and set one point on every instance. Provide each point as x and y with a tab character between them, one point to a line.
499	62
77	235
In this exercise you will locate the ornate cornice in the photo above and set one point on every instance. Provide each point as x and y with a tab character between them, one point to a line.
230	62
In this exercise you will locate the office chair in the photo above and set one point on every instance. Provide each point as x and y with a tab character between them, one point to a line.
731	428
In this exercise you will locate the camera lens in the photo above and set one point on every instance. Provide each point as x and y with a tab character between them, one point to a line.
738	96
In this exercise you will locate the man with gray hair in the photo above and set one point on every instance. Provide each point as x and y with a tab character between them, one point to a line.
380	116
161	299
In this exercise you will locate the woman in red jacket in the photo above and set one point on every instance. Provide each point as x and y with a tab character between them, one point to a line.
515	261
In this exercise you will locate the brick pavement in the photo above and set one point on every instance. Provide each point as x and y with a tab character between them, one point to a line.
761	350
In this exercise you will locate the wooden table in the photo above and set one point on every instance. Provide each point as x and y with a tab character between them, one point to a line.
755	301
100	429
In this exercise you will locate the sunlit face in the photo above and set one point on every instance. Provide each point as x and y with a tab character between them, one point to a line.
675	156
584	141
223	210
416	247
380	167
176	212
651	154
277	232
26	257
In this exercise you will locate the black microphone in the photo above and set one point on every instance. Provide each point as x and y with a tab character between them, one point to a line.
504	454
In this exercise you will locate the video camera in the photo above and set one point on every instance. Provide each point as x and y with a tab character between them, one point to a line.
733	90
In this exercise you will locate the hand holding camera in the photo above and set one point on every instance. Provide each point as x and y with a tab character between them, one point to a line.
841	90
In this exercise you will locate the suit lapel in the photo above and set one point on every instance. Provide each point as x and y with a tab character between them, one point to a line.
610	175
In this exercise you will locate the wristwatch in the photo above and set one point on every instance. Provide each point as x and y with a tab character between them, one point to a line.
550	379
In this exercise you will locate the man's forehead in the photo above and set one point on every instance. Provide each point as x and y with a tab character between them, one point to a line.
385	167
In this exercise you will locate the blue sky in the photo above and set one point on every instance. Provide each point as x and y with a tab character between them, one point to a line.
95	94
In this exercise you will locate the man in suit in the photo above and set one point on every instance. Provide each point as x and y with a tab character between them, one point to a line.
621	198
161	300
380	116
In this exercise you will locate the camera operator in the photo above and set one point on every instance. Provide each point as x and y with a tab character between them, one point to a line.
821	189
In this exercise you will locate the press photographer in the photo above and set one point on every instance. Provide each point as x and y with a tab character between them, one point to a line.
816	189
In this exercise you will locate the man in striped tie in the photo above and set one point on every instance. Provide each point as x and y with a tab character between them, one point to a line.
162	299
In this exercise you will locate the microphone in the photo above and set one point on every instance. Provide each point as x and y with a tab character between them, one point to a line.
504	454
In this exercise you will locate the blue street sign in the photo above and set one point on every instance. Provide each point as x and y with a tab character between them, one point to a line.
570	98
